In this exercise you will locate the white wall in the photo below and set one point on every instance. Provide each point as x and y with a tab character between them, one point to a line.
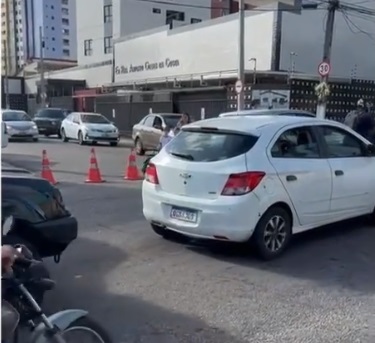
90	25
95	77
199	49
134	16
304	35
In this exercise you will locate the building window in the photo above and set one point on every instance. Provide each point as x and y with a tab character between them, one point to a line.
66	42
107	45
66	52
52	7
53	28
53	38
65	21
156	10
173	15
88	47
108	13
64	2
65	11
65	31
195	20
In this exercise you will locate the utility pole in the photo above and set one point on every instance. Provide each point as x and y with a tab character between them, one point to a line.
6	78
43	94
333	5
241	54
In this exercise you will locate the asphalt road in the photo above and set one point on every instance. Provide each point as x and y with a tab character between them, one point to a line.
145	289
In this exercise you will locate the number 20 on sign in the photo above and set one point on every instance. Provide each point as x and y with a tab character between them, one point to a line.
324	69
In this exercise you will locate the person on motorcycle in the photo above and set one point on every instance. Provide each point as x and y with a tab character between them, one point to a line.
9	315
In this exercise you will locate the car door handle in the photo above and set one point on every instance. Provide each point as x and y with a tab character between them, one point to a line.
291	178
339	172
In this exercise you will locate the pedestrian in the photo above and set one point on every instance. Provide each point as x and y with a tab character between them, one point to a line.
351	117
185	119
364	124
165	138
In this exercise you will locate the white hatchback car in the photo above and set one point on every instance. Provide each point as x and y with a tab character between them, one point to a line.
89	128
259	179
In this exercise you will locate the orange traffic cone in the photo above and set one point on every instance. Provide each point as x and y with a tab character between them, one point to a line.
131	171
93	175
46	170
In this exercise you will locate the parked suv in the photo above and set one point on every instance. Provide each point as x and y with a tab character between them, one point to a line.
48	120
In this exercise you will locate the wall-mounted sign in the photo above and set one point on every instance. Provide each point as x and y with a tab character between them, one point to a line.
192	53
147	66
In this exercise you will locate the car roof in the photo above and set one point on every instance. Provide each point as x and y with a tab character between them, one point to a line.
88	113
264	111
10	110
166	114
254	124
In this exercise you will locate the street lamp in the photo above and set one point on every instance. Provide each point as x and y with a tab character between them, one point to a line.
292	64
254	69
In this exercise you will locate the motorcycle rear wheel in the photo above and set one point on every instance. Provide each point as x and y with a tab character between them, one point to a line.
86	330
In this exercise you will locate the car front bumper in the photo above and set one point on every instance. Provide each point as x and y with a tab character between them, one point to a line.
102	137
225	218
15	133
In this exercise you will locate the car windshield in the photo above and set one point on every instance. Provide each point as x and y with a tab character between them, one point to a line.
15	116
171	121
94	119
51	113
209	146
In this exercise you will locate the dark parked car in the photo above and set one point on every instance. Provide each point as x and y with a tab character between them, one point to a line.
48	120
40	219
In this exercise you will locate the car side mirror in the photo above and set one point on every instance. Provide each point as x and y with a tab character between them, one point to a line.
8	224
370	150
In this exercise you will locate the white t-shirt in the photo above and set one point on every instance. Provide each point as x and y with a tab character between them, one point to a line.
164	140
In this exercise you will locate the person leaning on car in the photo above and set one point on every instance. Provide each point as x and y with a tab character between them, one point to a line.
362	121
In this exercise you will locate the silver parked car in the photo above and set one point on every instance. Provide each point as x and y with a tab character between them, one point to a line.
146	134
267	112
19	125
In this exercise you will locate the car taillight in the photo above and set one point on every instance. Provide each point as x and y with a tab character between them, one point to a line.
243	183
151	174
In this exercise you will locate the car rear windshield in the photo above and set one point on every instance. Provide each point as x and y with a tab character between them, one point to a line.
94	119
53	114
15	116
209	146
171	121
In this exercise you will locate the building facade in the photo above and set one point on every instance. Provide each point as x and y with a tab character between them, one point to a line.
194	52
20	22
57	18
111	19
12	36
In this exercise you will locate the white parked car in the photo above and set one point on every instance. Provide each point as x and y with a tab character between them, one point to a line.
259	179
89	128
19	125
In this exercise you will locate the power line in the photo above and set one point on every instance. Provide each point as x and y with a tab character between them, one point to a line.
351	24
257	9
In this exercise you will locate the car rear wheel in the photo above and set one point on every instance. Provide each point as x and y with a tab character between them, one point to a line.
113	144
63	136
272	233
139	147
80	138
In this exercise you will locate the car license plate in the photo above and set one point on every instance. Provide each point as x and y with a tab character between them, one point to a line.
184	215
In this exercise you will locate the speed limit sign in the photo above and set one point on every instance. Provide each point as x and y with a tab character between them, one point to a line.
324	68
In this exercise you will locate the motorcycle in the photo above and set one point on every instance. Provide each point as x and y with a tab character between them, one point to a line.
39	269
66	326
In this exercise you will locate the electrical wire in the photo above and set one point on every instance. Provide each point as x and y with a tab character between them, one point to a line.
351	25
